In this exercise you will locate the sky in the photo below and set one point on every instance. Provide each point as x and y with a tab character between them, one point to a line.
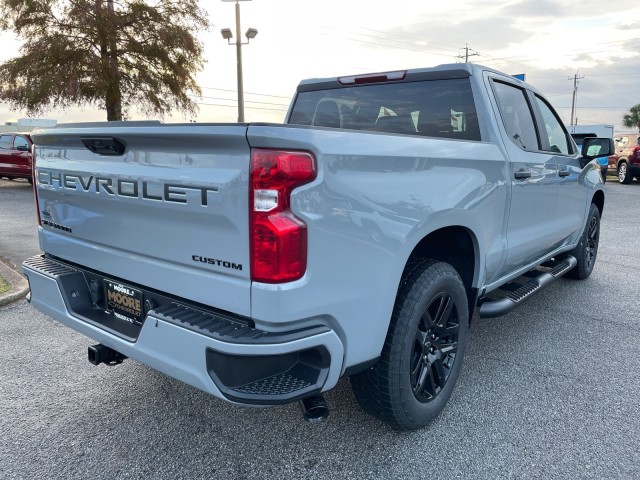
548	41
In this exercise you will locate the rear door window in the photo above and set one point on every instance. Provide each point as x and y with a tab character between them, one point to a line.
435	108
516	116
554	130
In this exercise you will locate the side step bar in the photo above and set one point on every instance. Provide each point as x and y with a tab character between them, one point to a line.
502	306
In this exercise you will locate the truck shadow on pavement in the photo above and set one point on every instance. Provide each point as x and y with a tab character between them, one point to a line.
511	402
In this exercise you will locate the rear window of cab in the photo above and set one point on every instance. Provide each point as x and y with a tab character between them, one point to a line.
433	108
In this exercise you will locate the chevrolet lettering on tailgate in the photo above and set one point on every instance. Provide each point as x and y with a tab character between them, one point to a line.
124	188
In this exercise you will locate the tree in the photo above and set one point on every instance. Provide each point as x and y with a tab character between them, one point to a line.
632	119
111	54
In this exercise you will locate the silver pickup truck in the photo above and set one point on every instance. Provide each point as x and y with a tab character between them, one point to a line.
261	263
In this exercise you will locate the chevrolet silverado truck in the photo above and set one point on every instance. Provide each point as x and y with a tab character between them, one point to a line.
262	263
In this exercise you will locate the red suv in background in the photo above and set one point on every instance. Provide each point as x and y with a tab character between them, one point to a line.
628	150
15	156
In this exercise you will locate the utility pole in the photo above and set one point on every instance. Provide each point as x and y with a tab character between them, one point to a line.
467	54
576	81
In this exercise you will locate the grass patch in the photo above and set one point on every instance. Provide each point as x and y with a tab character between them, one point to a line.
4	286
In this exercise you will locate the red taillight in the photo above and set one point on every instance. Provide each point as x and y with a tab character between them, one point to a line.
35	182
278	237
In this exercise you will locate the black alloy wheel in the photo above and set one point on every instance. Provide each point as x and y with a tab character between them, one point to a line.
586	251
592	240
422	355
435	347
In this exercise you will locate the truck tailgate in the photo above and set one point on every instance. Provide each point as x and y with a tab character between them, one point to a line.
169	212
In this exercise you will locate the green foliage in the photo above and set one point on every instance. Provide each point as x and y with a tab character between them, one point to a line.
111	54
4	286
632	119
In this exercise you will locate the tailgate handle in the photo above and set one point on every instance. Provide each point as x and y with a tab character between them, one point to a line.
104	145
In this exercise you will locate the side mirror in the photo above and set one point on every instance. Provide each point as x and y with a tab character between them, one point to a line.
593	147
23	148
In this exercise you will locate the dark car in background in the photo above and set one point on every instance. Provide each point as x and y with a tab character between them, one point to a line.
15	156
628	151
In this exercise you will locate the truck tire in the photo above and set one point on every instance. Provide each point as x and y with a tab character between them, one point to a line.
422	354
587	250
624	176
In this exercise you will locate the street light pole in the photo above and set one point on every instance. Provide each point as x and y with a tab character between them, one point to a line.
226	34
239	60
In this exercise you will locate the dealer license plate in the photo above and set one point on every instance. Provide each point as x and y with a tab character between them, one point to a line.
124	302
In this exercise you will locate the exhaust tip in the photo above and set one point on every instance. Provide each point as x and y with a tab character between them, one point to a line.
93	355
314	409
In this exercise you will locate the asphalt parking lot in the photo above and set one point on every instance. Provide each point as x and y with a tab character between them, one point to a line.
548	391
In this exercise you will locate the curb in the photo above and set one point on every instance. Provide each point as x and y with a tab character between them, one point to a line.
19	285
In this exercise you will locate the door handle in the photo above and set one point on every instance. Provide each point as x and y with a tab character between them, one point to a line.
522	174
564	173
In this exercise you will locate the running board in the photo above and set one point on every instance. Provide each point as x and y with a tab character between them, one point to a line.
502	306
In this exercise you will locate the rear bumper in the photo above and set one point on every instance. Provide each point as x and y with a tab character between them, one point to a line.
212	351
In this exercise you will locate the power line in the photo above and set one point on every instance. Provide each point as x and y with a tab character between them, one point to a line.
249	93
613	74
233	100
567	53
426	49
449	47
378	44
235	106
412	42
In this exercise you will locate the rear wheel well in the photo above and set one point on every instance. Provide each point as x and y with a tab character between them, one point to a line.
598	201
454	245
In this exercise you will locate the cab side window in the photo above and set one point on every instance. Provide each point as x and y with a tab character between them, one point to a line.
555	132
516	116
5	142
19	141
